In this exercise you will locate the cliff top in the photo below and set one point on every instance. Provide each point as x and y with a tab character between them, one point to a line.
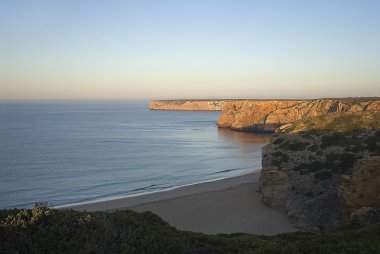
339	121
279	99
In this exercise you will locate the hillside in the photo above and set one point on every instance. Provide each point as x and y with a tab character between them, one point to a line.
268	115
43	230
323	171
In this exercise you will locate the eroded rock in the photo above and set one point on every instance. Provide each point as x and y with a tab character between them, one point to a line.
323	177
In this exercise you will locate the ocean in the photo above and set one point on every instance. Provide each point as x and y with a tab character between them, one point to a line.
63	153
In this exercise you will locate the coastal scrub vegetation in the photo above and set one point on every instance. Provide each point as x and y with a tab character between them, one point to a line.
337	122
331	143
330	173
44	230
294	145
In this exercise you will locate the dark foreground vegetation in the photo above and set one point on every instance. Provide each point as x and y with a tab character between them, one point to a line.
43	230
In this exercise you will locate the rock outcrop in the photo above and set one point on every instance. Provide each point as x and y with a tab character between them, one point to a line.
267	115
324	171
187	105
361	190
322	167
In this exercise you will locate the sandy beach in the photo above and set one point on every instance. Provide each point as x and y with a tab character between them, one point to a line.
228	205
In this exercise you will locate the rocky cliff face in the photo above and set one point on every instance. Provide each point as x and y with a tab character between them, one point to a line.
324	171
267	115
187	105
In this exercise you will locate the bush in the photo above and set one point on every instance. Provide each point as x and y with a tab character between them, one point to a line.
305	168
373	142
323	175
278	141
312	148
131	232
281	157
337	138
294	146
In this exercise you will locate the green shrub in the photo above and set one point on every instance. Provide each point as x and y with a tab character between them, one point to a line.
373	142
294	146
281	156
131	232
337	138
305	168
323	175
312	148
278	141
336	163
306	134
309	194
341	162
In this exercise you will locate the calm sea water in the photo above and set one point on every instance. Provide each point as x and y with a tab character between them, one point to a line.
65	153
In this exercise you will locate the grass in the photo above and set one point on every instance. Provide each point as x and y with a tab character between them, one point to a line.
353	122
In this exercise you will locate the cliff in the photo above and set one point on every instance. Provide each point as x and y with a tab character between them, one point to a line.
324	171
187	105
267	115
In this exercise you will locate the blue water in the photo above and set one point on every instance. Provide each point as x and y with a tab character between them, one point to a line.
65	153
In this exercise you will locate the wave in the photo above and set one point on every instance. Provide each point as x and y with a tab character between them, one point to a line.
227	170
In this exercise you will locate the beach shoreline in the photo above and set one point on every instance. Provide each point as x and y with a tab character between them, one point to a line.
227	205
129	200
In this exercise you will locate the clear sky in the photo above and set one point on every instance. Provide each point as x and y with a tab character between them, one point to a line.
137	49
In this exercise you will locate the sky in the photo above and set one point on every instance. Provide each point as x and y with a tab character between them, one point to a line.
139	49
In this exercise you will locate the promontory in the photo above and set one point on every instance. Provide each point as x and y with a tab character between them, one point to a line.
266	115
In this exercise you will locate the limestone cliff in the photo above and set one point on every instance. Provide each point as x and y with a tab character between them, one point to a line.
187	105
323	171
267	115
